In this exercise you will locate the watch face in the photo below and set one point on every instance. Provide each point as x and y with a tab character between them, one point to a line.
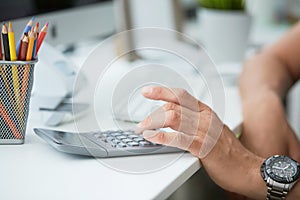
282	169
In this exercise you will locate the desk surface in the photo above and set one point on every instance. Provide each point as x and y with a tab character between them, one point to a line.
37	171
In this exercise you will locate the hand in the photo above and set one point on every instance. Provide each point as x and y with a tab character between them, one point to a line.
197	126
199	131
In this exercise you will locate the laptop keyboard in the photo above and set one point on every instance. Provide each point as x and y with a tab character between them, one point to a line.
123	139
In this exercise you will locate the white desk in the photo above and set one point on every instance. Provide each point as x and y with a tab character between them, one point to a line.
36	171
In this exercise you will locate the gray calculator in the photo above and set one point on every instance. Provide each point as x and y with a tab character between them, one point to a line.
102	143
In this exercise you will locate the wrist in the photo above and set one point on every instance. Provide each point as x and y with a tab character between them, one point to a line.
240	167
256	188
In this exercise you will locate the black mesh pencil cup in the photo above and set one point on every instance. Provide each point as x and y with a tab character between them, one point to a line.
16	80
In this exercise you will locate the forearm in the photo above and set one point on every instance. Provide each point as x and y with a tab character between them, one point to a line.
275	69
264	81
264	73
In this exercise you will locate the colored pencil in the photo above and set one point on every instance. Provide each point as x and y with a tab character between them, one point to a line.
34	45
11	39
16	84
1	55
9	122
26	30
41	37
36	28
14	69
5	96
30	46
5	43
23	48
24	89
6	83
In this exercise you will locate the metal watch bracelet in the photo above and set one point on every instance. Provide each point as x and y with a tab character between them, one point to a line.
276	191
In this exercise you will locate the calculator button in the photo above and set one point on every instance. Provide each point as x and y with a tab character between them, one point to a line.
133	136
115	134
97	135
113	144
144	143
138	139
127	132
116	141
110	139
127	140
121	137
133	144
122	145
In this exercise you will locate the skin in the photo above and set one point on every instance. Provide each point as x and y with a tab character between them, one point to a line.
223	162
264	83
232	164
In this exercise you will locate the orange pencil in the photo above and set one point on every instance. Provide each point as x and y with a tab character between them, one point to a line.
41	37
30	46
11	39
10	122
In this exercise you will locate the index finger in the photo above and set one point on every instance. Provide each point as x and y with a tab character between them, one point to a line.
174	95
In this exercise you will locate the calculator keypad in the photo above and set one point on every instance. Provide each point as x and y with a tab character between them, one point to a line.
123	139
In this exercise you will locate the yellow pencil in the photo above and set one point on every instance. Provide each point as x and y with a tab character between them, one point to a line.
30	45
16	85
13	57
11	39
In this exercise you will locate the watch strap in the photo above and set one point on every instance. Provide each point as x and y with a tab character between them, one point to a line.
276	191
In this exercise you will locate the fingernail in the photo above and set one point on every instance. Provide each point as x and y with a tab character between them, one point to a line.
149	133
147	90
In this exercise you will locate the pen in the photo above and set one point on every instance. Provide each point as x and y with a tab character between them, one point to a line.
5	42
11	40
41	37
26	30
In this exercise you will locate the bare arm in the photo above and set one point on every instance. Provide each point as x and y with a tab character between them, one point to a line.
197	129
276	68
265	80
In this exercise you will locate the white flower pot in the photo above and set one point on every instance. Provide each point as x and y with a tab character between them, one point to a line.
225	34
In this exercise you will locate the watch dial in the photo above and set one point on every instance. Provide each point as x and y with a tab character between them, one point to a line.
282	169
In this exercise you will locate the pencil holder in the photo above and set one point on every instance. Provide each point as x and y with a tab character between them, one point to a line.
16	80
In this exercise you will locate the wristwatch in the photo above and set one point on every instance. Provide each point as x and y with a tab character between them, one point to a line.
280	174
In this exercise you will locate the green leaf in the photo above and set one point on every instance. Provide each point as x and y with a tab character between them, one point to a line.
223	4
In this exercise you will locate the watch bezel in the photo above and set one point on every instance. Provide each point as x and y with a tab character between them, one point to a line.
268	173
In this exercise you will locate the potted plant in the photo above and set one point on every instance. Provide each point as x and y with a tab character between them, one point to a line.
225	27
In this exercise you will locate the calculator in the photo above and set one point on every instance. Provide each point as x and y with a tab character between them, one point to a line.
102	144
